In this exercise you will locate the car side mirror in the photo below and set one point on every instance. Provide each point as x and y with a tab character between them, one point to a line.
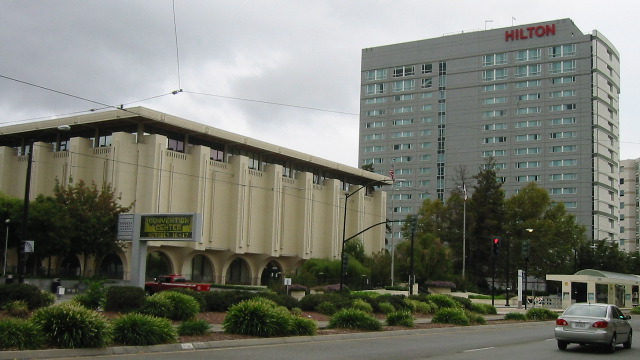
627	317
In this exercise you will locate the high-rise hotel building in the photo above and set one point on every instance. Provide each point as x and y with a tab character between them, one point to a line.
541	99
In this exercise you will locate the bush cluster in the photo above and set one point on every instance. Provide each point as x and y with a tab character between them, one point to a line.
124	298
34	297
20	334
515	316
71	326
264	318
400	318
94	298
483	308
354	319
450	316
172	305
541	314
143	330
196	295
193	327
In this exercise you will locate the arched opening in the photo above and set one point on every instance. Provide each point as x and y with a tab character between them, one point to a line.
238	273
34	266
70	266
271	274
158	263
111	267
201	269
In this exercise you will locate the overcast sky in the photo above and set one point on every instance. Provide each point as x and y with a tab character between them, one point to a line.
285	72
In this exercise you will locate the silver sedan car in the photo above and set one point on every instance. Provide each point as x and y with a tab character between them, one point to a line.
602	324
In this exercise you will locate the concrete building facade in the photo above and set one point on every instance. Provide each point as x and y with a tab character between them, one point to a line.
629	176
265	209
540	99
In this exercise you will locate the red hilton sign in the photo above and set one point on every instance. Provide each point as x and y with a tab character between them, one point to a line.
530	32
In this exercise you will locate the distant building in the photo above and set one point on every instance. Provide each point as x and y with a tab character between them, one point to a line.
266	209
541	99
629	234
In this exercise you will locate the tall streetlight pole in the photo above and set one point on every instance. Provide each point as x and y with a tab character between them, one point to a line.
464	231
25	208
6	242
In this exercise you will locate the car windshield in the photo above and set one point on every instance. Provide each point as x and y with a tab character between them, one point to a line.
587	310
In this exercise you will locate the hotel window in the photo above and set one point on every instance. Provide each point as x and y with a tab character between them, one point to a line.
402	134
427	83
375	112
428	95
526	124
374	124
528	137
425	170
562	107
427	68
565	93
427	120
528	164
494	87
528	83
496	74
401	159
528	110
571	205
402	209
563	80
426	145
563	135
561	51
425	183
559	177
404	85
403	109
494	100
427	107
494	113
402	122
375	100
494	59
526	97
402	146
494	153
425	158
404	171
560	191
400	196
527	178
564	148
401	71
425	133
528	70
563	121
565	162
369	149
500	126
373	161
528	151
404	97
562	67
379	74
528	55
373	89
374	137
494	139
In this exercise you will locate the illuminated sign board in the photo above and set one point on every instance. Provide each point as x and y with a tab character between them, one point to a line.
167	226
530	32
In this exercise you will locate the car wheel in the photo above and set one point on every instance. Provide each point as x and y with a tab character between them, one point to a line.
612	344
627	344
562	345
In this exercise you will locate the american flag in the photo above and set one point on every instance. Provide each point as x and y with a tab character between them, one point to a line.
392	173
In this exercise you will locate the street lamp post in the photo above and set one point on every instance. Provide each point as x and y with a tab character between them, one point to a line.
6	242
25	208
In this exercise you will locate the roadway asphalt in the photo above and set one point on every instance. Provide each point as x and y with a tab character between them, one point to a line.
124	350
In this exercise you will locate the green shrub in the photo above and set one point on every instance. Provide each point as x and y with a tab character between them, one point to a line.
280	299
258	317
34	297
400	318
463	302
398	302
515	316
196	295
354	319
360	304
326	308
443	301
20	334
450	316
311	302
541	314
124	298
18	308
483	308
296	311
635	310
386	308
221	301
303	327
94	298
194	327
419	307
157	306
68	325
142	330
475	318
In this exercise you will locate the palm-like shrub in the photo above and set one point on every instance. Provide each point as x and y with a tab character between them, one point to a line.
475	318
94	297
443	301
515	316
362	305
172	305
326	308
386	308
34	297
541	314
354	319
483	308
193	327
124	298
303	327
69	325
450	316
18	308
20	334
157	306
400	318
196	295
143	330
258	317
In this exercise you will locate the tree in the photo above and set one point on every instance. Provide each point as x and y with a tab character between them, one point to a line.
49	226
93	217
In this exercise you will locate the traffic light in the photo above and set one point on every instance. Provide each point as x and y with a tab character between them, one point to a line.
495	245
